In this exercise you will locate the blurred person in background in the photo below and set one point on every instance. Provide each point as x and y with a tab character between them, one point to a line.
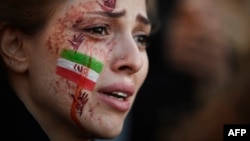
197	44
224	92
196	48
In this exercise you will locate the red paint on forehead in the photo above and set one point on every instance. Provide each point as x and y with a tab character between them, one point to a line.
108	5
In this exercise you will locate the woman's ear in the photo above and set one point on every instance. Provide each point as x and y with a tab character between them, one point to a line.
13	51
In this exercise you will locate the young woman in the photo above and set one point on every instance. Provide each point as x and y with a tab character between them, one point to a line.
75	65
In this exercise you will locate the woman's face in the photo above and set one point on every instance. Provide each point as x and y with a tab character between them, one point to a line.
88	64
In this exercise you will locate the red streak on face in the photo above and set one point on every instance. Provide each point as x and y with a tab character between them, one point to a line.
91	113
111	44
79	101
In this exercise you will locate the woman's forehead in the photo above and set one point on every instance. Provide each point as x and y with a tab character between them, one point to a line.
76	8
110	4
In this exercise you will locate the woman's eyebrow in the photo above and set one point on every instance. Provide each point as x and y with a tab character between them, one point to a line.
116	14
143	19
122	13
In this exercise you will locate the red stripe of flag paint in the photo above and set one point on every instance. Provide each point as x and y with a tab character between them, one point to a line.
79	68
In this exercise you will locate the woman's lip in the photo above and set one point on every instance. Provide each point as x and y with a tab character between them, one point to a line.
118	104
115	103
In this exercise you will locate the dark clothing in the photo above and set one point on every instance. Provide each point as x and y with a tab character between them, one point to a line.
16	122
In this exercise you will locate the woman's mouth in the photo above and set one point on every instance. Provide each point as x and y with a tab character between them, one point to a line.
117	96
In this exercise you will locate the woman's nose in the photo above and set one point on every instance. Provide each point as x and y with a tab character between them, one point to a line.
127	56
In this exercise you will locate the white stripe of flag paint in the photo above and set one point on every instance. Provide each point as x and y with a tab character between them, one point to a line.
79	68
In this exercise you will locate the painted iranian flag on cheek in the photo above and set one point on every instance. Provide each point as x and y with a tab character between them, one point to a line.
79	68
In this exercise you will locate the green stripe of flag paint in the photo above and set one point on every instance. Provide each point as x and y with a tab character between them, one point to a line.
83	59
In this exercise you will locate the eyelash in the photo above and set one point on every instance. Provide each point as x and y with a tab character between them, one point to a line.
102	30
97	31
142	40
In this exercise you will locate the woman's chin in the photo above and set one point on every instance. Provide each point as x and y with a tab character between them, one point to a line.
111	131
105	127
108	133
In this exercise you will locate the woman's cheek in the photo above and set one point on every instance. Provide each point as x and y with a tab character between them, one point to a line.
79	63
79	60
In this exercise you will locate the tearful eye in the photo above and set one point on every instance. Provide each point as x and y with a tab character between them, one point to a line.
142	40
99	30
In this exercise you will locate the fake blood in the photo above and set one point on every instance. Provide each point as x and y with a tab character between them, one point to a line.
61	37
79	100
108	5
